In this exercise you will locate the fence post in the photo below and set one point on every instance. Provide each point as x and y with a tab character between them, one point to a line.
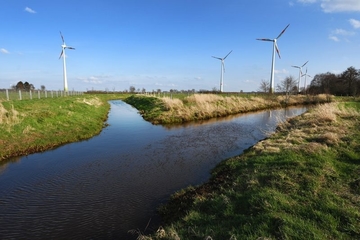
52	95
38	94
45	94
20	94
7	94
30	94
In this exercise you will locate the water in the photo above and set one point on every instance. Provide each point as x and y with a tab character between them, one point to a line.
103	187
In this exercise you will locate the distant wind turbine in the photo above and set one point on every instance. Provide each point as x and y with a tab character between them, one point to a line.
62	54
222	70
275	47
306	75
300	73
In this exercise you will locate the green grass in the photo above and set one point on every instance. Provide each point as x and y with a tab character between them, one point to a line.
149	107
307	190
29	126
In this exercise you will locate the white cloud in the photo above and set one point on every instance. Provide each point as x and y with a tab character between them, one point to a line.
3	50
355	23
307	1
283	71
29	10
334	38
342	32
330	6
92	79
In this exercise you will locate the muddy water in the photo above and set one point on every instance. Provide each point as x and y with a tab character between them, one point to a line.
103	187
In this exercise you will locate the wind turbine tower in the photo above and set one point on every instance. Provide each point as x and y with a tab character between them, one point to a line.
300	73
222	71
275	48
306	75
62	54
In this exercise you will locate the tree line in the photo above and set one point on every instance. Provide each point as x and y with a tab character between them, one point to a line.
25	86
346	83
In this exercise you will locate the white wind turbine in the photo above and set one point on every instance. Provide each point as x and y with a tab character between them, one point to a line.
306	75
300	73
275	47
62	54
222	70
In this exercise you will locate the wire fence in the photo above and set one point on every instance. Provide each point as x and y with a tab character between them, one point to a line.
11	94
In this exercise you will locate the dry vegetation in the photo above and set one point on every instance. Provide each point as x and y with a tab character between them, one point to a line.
313	131
205	106
9	117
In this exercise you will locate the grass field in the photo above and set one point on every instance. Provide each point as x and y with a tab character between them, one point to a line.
29	126
303	182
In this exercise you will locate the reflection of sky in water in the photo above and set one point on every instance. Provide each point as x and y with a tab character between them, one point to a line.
107	185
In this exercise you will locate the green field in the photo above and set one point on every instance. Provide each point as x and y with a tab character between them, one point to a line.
29	126
303	182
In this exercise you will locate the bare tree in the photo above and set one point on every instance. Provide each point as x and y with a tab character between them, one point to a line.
349	79
42	87
132	89
20	86
264	86
287	86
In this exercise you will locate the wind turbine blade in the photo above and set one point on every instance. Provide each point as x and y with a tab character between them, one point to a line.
304	64
296	66
62	37
227	54
62	51
265	39
216	57
277	50
70	48
283	31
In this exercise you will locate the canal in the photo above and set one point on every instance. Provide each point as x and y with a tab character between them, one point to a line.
112	183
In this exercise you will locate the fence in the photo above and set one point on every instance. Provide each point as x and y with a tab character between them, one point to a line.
11	94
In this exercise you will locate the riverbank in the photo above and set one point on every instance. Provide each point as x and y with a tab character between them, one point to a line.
37	125
300	183
30	126
167	110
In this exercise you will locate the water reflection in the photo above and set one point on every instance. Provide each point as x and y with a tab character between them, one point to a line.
112	183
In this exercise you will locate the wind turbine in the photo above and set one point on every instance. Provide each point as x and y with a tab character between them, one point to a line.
300	73
62	54
306	75
275	47
222	70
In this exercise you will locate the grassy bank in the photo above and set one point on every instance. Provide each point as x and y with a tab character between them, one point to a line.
303	182
164	110
36	125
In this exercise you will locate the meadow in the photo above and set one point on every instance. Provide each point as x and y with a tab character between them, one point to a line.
36	125
300	183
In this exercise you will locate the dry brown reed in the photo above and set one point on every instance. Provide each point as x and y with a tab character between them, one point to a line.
90	101
311	132
9	117
205	106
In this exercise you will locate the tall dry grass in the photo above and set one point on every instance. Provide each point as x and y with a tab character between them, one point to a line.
315	130
10	117
205	106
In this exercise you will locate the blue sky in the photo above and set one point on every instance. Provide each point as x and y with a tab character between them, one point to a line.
168	44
